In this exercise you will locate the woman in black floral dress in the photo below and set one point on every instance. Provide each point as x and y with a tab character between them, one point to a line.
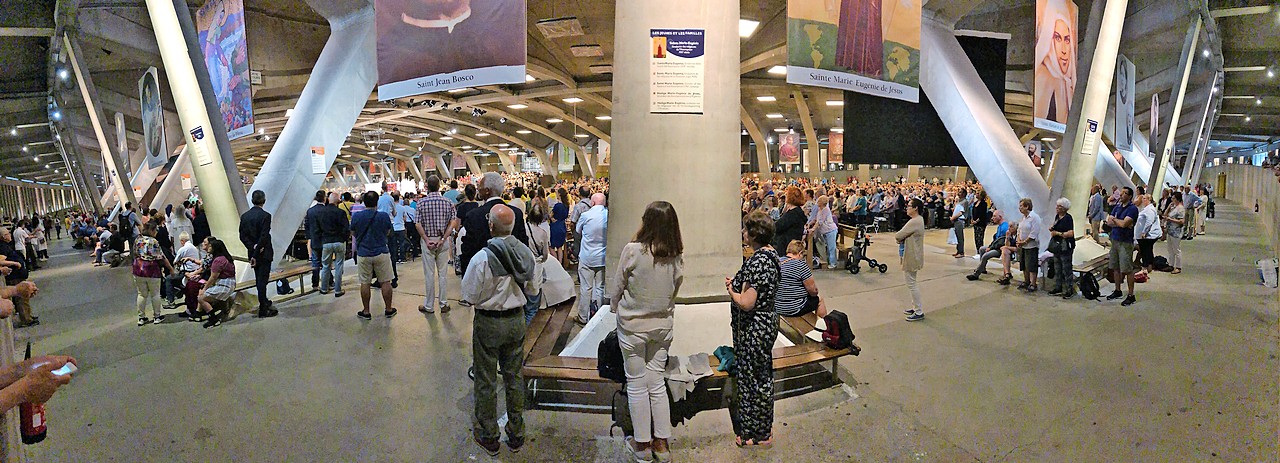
755	327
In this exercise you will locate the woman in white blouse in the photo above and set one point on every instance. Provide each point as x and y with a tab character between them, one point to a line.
1029	245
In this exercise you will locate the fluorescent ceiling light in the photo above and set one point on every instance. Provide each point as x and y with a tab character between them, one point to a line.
418	141
517	106
746	27
371	152
446	138
502	145
482	134
529	78
1244	68
467	147
835	102
837	129
767	98
554	120
459	90
1238	97
400	149
604	118
773	116
1048	139
778	70
524	132
573	100
582	135
780	130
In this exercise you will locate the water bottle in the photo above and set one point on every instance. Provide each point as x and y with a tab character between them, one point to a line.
33	418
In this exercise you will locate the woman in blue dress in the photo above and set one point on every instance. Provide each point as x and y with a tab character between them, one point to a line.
559	214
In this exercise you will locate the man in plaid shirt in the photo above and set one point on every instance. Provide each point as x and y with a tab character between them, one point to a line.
437	222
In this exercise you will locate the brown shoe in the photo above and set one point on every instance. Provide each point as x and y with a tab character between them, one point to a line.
490	446
444	307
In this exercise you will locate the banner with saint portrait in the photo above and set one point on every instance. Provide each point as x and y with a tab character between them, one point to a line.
835	148
865	46
789	148
427	46
220	26
1126	87
1055	63
153	140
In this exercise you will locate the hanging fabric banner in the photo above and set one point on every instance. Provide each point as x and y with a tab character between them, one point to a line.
153	138
1125	89
835	148
865	46
222	39
1055	63
427	46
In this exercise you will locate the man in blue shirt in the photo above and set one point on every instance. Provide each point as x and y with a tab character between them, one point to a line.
591	226
370	227
453	193
1121	220
994	249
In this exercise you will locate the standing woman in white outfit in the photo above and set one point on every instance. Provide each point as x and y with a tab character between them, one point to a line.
644	288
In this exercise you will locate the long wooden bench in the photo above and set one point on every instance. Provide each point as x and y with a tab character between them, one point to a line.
1096	266
573	383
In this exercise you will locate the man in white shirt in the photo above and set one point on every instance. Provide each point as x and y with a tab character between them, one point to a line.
20	238
495	283
591	226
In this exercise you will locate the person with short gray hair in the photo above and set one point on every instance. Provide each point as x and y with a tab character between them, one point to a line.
592	226
1062	243
476	223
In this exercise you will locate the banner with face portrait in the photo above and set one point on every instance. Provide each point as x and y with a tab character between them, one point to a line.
602	150
153	140
1033	152
220	24
835	148
427	46
789	148
1055	63
1126	87
865	46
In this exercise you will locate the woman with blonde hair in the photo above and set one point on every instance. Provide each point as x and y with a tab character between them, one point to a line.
650	271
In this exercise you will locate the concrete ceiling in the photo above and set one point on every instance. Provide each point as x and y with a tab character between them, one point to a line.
119	46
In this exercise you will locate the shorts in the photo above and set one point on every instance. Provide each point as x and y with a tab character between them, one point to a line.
378	267
1121	256
1029	258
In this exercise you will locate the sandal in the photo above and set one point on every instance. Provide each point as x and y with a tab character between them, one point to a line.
765	444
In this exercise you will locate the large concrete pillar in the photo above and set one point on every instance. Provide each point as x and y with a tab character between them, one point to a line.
110	154
222	204
1156	183
1137	157
1084	129
646	167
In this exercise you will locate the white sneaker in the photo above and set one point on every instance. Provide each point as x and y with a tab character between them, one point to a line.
157	320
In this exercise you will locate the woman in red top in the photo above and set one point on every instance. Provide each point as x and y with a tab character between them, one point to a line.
221	283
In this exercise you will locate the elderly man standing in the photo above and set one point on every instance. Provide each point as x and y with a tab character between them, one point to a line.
436	224
591	227
495	284
476	222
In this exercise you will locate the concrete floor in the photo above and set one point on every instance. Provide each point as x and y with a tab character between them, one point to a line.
1189	373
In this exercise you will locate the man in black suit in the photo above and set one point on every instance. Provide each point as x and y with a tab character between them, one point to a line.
477	221
311	223
255	233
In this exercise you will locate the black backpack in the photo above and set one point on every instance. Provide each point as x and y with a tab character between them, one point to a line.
1089	286
609	359
837	335
126	224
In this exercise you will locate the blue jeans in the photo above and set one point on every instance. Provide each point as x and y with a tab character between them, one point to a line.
829	238
332	256
531	307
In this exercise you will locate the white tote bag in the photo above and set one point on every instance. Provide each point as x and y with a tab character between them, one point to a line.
951	237
557	285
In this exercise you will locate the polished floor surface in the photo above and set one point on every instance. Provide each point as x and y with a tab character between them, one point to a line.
1189	373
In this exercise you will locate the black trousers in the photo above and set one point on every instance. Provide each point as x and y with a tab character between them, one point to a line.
979	232
262	276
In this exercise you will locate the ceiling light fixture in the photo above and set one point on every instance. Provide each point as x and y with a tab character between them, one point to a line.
529	78
604	118
518	106
835	102
1206	53
13	131
1259	101
767	98
64	74
780	130
554	120
482	134
1271	74
524	132
746	27
446	138
1247	118
773	116
837	129
573	100
582	135
778	70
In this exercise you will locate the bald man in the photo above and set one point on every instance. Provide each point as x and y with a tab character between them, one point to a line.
591	226
495	283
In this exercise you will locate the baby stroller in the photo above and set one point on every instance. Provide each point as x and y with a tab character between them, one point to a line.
858	253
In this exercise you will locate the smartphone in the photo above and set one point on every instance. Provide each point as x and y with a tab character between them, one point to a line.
67	369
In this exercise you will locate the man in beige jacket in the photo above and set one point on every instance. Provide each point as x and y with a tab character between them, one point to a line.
911	248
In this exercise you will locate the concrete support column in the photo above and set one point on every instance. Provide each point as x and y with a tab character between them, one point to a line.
1155	184
762	144
171	190
1091	98
110	155
222	203
703	188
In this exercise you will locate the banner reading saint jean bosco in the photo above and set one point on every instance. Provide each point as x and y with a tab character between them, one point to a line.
222	40
677	71
865	46
1055	63
153	142
427	46
1125	89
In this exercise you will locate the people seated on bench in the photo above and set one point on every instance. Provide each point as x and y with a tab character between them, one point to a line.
189	262
1000	246
220	284
797	291
114	247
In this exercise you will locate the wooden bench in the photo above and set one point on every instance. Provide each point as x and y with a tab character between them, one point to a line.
574	384
1096	266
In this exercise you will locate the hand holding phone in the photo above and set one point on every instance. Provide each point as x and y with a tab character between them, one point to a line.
66	369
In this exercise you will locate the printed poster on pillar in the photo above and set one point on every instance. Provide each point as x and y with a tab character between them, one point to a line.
428	46
1126	90
1055	63
677	70
153	142
864	46
220	24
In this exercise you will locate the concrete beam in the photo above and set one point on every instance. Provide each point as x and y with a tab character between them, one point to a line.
814	159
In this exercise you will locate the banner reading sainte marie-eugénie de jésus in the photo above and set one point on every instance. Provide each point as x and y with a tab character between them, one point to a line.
1125	89
1055	63
222	39
427	46
677	73
865	46
153	141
